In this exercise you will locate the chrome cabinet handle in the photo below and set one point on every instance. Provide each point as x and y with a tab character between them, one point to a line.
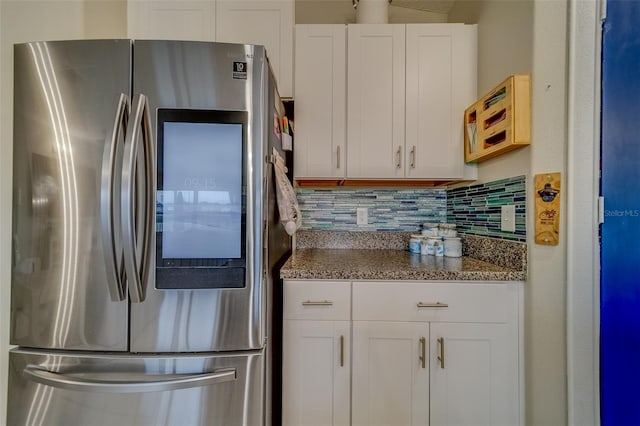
110	183
317	303
338	157
341	351
432	305
98	384
423	352
413	157
399	157
137	249
441	356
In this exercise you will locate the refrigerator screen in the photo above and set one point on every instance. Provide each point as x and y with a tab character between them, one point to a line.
200	201
202	190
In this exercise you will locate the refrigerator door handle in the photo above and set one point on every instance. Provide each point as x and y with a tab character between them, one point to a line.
87	384
111	239
138	237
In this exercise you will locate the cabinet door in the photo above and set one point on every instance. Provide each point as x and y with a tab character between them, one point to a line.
474	374
268	23
316	373
375	101
390	378
320	106
171	20
441	83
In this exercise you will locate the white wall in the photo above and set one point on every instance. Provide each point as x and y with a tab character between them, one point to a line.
4	292
530	36
505	41
583	250
30	20
546	328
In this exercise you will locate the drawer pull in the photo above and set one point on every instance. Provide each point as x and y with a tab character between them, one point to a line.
432	305
317	303
441	356
413	157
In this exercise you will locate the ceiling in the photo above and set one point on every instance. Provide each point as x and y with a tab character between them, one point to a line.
437	6
342	11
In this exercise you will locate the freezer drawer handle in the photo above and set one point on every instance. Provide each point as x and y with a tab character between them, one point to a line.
112	240
167	383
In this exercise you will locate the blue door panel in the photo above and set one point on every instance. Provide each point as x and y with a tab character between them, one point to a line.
620	249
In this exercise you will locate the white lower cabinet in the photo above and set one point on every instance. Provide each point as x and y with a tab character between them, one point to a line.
473	374
422	353
390	382
316	356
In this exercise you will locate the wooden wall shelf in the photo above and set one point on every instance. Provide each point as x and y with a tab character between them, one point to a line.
500	121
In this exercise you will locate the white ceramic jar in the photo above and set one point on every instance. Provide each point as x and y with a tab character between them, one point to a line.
452	247
430	245
429	229
438	248
447	230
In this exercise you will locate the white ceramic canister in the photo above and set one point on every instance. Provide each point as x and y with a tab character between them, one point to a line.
427	233
452	247
430	225
415	243
424	248
447	230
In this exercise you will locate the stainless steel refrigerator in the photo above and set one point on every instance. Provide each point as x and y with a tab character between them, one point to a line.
146	239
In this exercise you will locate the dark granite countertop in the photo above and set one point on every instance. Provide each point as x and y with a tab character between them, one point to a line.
386	264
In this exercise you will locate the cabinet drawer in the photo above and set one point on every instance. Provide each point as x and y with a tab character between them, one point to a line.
439	301
317	300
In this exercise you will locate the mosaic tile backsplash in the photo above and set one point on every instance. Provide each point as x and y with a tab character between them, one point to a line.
388	209
475	209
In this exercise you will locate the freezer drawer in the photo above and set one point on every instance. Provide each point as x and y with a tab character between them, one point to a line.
56	388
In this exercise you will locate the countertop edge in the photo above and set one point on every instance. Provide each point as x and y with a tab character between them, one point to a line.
452	276
316	264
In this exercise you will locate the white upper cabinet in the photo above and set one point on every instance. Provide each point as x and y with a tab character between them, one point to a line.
407	89
171	20
269	23
320	101
441	83
375	101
